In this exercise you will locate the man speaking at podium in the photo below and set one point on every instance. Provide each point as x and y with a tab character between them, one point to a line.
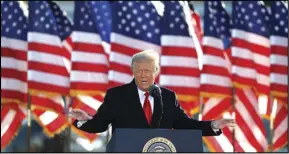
142	104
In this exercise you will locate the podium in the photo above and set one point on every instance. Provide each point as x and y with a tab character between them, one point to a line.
155	140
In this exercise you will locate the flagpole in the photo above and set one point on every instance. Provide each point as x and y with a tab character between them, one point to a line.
201	108
271	125
233	108
68	130
28	123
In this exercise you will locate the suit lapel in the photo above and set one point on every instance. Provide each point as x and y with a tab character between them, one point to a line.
135	102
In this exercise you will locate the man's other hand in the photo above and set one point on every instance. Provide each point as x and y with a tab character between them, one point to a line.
79	114
219	124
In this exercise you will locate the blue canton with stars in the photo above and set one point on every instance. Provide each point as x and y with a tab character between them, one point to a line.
251	16
43	19
138	20
102	13
93	17
279	19
217	22
63	24
13	21
174	20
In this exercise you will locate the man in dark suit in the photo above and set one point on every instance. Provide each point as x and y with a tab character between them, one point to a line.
131	106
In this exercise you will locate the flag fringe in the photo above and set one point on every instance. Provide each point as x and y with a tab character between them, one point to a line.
75	93
208	94
186	98
82	134
35	92
47	131
9	100
13	136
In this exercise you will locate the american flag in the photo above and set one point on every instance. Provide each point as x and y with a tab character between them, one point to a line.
216	73
251	68
12	116
136	27
89	75
89	60
280	127
250	130
48	59
179	61
251	46
64	26
13	53
52	122
279	71
89	104
279	50
13	70
48	21
64	29
51	116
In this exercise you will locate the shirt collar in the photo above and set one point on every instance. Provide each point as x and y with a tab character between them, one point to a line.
140	92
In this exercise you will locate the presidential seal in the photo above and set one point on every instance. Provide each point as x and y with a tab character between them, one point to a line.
159	144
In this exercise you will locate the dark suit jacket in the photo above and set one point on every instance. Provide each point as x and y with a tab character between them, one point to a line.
122	108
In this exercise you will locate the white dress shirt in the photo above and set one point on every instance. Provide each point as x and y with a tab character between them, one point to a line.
142	97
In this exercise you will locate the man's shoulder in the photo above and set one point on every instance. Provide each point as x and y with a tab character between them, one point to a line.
167	91
118	89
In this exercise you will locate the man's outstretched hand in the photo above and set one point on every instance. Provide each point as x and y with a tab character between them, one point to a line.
219	124
79	114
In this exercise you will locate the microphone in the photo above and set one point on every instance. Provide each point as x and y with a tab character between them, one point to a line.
155	91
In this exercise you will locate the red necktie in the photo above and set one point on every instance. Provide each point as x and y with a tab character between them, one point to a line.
147	108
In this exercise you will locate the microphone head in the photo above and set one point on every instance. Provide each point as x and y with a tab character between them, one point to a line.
155	90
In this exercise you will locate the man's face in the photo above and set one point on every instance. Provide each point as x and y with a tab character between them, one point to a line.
144	73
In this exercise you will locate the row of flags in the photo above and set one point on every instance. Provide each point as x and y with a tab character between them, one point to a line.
252	62
55	63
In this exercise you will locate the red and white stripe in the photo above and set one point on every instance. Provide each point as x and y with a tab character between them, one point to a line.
223	142
122	50
280	127
249	130
249	122
12	116
13	70
48	64
279	67
216	72
89	65
90	105
179	66
54	104
52	122
180	70
214	107
251	62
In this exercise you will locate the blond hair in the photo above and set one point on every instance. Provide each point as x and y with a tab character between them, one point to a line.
146	56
